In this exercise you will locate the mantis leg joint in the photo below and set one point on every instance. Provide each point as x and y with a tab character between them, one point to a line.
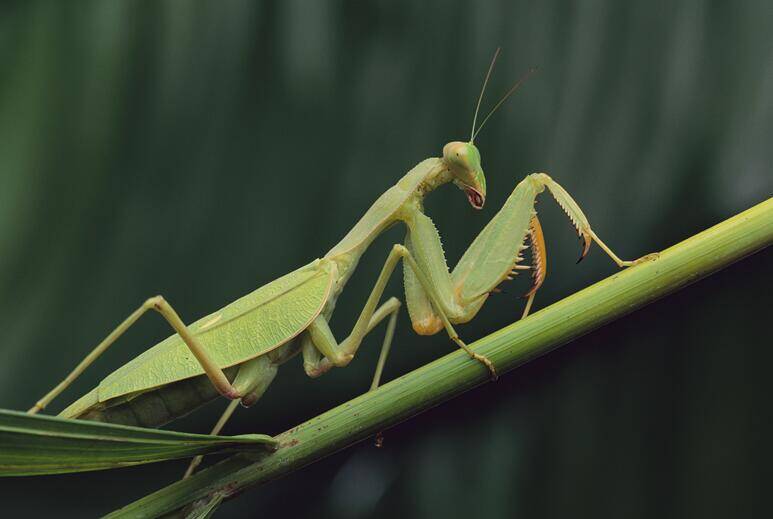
400	249
342	360
156	303
313	370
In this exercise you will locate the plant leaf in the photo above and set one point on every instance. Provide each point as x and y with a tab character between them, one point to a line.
39	444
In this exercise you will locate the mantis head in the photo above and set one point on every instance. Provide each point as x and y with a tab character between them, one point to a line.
463	160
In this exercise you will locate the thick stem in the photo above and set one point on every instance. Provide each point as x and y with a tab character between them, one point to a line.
454	374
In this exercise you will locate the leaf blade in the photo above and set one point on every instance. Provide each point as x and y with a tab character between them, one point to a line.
39	444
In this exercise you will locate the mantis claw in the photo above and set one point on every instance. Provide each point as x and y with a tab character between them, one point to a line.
585	242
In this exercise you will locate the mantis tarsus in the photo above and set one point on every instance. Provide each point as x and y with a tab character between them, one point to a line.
236	351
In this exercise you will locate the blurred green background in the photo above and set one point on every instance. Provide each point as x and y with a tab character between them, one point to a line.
200	149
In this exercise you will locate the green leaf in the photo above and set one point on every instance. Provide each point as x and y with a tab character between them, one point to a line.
38	444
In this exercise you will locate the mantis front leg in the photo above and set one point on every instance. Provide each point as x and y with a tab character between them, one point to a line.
494	256
485	264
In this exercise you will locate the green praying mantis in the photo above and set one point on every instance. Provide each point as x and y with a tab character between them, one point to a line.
236	351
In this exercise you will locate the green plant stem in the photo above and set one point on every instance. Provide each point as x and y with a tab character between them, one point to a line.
455	373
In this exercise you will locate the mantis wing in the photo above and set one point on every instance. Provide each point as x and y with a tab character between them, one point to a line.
251	326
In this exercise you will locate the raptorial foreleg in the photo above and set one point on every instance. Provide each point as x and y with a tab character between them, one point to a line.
496	255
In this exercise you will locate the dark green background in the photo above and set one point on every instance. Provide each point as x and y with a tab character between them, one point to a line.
200	149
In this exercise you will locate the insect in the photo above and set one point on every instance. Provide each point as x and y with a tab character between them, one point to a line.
236	351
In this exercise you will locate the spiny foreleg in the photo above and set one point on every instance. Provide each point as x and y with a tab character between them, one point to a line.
539	262
496	253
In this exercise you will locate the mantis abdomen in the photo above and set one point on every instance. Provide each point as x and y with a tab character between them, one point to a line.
159	406
163	404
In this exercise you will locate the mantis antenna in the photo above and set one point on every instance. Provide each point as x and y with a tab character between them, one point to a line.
482	90
504	98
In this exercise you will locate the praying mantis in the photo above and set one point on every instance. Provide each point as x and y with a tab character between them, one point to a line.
236	351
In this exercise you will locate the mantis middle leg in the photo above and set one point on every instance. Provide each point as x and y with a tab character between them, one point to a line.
256	375
340	354
317	360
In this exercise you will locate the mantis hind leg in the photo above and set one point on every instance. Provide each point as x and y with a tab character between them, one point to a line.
229	411
159	304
